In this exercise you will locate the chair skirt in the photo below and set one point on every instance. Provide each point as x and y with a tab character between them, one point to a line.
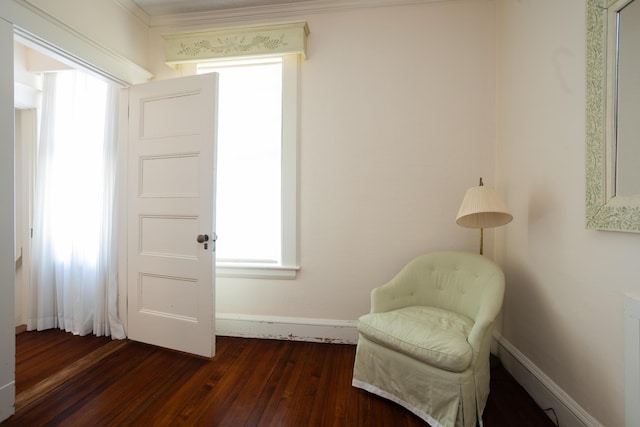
441	398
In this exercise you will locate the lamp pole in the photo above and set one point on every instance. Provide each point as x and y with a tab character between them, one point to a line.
481	228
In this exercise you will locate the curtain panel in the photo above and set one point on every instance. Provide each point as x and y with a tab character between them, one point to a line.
74	266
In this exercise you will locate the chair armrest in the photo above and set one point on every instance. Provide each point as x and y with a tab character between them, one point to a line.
489	308
478	334
387	297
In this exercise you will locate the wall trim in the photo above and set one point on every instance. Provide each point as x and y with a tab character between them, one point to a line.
135	10
631	360
37	29
273	12
7	400
545	392
287	328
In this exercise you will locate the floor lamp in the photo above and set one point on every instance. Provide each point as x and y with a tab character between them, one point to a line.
482	208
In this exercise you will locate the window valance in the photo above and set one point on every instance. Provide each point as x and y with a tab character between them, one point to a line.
254	41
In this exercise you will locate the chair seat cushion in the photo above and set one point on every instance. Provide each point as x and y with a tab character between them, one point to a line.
431	335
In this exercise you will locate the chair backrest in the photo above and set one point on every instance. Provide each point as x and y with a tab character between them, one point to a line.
456	281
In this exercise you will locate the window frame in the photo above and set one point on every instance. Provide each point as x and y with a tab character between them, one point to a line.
288	266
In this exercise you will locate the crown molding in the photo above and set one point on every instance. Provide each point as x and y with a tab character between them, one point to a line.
36	29
135	10
264	13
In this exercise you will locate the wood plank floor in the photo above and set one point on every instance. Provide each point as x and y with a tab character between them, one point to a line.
65	380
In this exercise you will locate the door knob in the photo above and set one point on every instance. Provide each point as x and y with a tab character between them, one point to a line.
202	238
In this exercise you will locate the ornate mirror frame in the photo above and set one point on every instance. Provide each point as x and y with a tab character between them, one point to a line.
604	211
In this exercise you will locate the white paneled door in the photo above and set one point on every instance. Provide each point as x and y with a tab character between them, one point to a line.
171	220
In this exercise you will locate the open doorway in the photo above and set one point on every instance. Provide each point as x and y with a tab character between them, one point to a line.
30	113
169	274
65	148
27	23
195	115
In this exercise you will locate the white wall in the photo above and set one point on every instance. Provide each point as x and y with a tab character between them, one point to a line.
565	284
106	22
397	119
397	122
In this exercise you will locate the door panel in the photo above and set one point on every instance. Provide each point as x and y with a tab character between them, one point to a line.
172	129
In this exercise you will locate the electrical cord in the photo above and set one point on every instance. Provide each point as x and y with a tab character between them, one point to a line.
555	416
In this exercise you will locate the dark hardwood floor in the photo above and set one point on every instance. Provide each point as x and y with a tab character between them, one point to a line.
65	380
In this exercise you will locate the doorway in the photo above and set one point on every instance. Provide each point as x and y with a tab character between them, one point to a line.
170	156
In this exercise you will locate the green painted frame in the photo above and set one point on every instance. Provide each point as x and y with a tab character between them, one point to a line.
604	211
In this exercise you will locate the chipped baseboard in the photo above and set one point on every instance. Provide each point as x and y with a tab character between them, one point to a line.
287	328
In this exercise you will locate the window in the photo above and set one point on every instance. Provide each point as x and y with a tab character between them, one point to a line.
256	207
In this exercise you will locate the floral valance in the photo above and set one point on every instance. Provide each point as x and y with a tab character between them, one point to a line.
267	40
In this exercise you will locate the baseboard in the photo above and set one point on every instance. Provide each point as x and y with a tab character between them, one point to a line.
547	394
287	328
7	400
631	358
20	329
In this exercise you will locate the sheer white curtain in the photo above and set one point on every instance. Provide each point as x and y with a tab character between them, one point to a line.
74	273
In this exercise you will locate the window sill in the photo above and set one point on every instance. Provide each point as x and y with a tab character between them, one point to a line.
256	271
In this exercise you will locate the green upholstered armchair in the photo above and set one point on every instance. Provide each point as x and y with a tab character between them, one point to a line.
425	344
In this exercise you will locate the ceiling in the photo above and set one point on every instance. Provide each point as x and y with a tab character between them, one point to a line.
171	7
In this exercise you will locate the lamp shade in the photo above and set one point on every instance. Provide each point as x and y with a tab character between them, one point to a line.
482	207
